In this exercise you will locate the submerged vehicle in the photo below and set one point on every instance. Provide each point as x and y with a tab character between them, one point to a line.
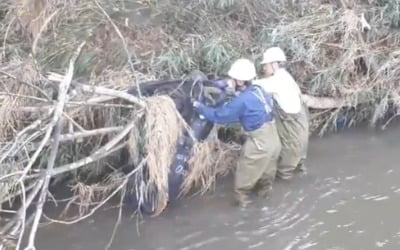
183	92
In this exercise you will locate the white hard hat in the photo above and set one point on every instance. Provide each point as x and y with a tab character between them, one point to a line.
274	54
242	69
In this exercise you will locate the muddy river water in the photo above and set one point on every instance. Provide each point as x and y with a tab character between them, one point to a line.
348	199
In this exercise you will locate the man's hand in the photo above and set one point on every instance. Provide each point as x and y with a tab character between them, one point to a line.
197	104
212	94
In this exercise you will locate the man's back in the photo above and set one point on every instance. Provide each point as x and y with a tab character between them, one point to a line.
285	90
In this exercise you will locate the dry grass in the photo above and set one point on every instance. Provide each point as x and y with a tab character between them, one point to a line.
157	138
18	92
211	159
86	196
9	186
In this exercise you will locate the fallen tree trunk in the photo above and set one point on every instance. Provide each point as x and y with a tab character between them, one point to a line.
315	102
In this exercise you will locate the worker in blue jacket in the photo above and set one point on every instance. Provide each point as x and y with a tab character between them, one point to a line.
252	108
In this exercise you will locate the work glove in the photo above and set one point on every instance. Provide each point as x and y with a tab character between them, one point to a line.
219	89
221	84
227	86
212	93
197	104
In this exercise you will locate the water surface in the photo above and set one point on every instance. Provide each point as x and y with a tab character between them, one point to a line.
349	199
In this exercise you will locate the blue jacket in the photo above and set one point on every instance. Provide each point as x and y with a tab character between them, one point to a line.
247	109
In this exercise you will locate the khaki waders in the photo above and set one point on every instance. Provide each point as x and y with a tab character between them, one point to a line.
258	163
305	120
293	130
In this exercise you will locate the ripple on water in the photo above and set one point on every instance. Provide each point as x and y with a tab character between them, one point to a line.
396	189
190	237
374	197
202	243
257	245
307	245
351	177
381	243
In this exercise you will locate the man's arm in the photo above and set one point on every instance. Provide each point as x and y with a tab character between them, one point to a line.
229	113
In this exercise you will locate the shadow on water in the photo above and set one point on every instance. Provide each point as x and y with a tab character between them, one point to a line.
348	199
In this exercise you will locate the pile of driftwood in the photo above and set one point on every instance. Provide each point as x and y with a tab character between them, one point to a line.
70	132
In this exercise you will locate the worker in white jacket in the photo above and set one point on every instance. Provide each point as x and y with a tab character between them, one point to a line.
291	113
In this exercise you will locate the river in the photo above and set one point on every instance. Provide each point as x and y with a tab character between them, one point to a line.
348	199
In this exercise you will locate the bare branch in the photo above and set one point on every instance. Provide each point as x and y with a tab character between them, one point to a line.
118	222
100	90
111	92
32	126
50	166
57	120
325	102
58	110
16	220
23	215
71	137
139	167
87	160
78	135
100	153
37	109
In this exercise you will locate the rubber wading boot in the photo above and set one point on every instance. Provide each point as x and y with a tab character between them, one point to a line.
242	199
301	167
264	191
285	175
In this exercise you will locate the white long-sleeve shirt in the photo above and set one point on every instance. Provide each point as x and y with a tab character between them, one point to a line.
284	89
